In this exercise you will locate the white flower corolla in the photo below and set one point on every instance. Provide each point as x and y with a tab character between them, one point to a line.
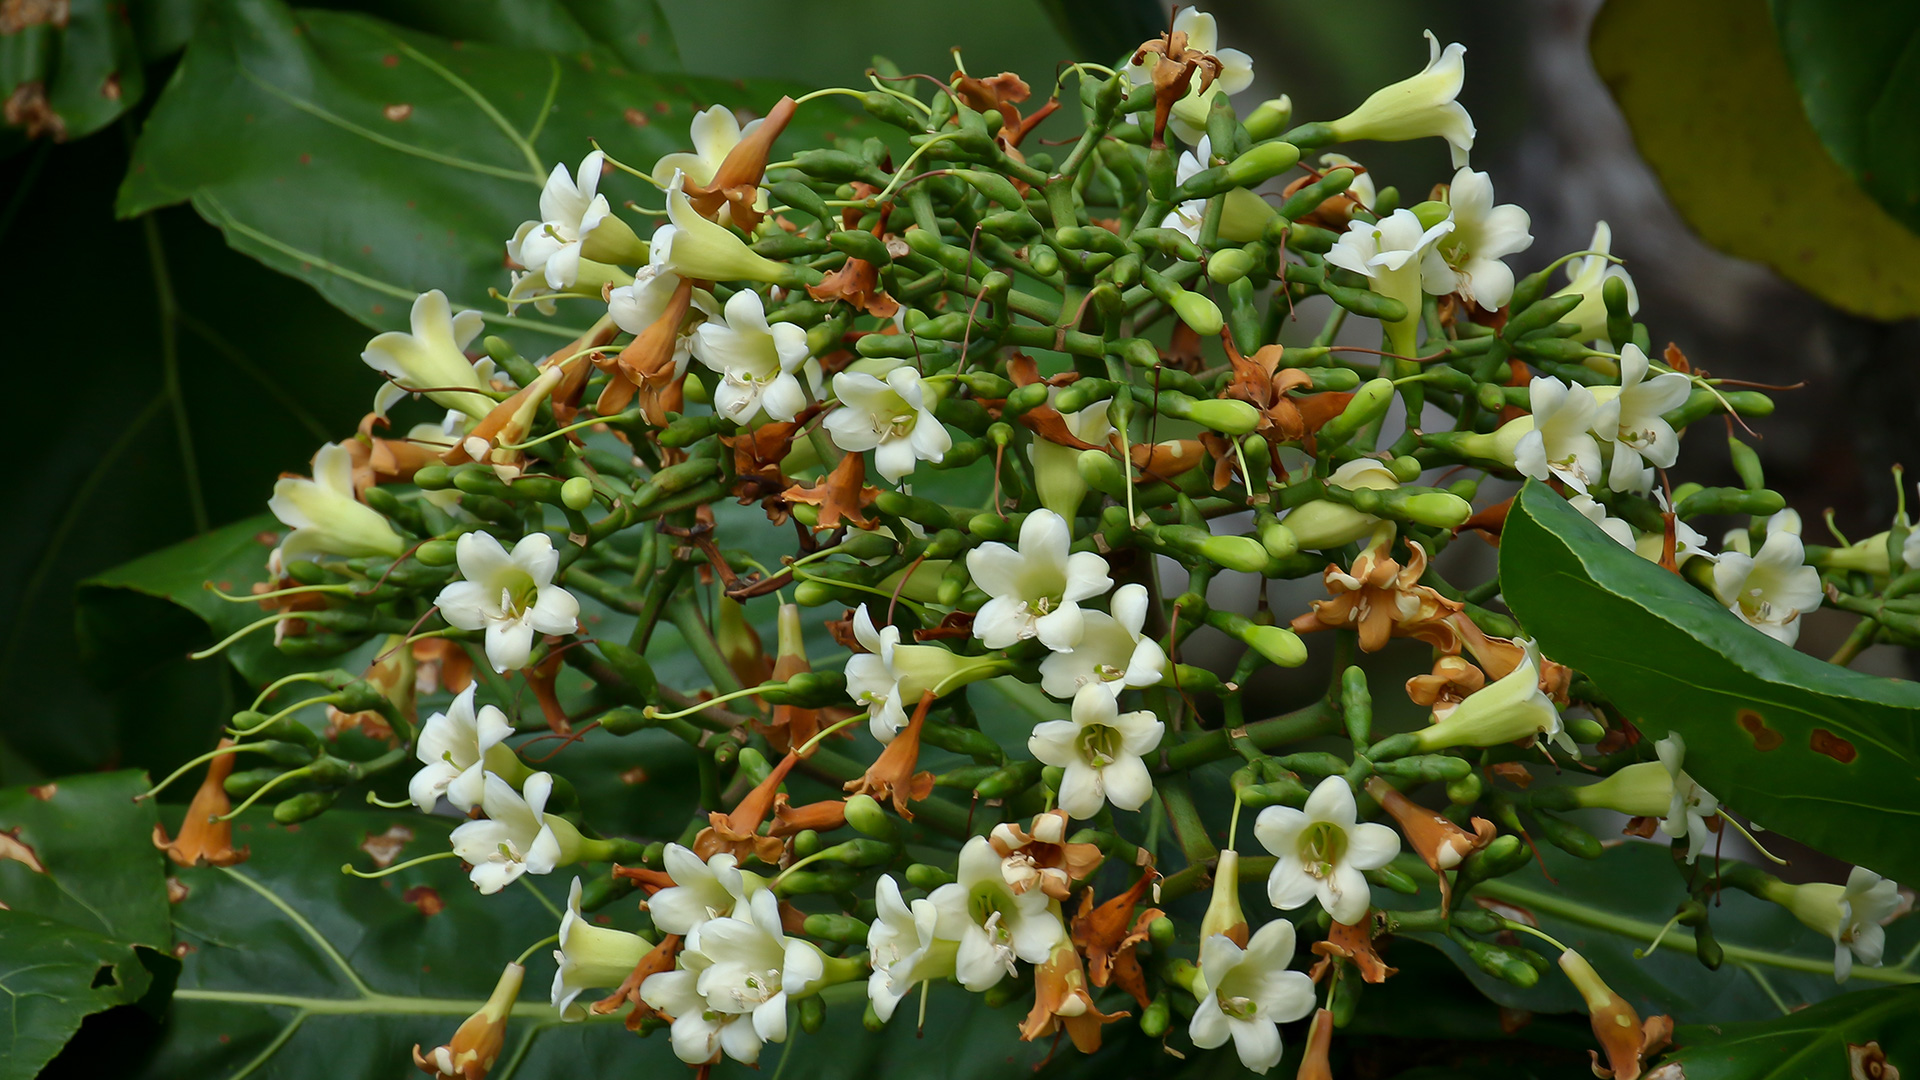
1770	588
324	515
1483	235
715	132
1100	750
1511	708
1687	541
1560	442
1036	588
708	251
516	837
1632	417
457	749
1417	107
996	926
1246	994
1186	217
431	359
906	947
890	417
527	287
1690	807
1322	850
510	596
1593	511
1587	276
1323	524
756	361
1362	187
1851	915
736	977
1113	652
700	891
637	304
1189	116
576	222
889	676
590	956
1401	259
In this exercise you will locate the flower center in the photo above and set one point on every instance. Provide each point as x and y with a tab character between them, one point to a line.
1099	744
1240	1008
1321	846
518	592
757	987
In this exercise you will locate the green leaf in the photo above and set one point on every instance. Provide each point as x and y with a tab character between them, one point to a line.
1858	70
1714	111
1827	756
634	30
57	975
1812	1045
69	69
1105	30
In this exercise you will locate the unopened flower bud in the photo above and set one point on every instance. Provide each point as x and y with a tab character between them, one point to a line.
1435	509
1644	789
476	1044
1262	163
1368	404
1431	212
866	817
1270	117
1200	314
1241	553
1279	540
1223	913
577	493
436	553
1228	265
1227	416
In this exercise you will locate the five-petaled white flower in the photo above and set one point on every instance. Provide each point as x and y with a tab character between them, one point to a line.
1511	708
736	976
756	361
1246	994
906	946
890	676
1100	750
572	215
432	359
1851	915
889	417
590	956
457	749
1113	653
700	890
1417	107
1770	588
715	131
1189	116
326	517
996	926
1596	512
1036	588
1587	278
1322	851
1560	443
1401	259
1691	806
1186	217
1631	417
508	596
516	837
1483	235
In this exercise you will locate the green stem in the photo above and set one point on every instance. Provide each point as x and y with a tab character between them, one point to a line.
1319	718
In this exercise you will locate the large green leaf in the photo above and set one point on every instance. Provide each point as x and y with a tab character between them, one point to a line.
634	30
1828	756
56	976
1858	70
1811	1045
66	69
1714	111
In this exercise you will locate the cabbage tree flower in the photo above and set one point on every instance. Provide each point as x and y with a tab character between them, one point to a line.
1401	257
1690	806
1100	749
907	945
575	223
1186	217
736	977
1560	441
1509	709
1596	512
996	925
432	359
1113	652
715	132
889	674
701	890
1322	850
708	251
457	749
1850	914
1587	276
1770	588
1189	116
1483	235
1417	107
891	417
756	361
1246	994
517	836
510	596
477	1042
1323	524
637	304
1036	588
326	517
591	956
1631	416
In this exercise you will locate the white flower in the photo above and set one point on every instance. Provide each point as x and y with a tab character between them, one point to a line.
1513	707
1186	217
1483	235
1037	588
756	361
996	926
1619	530
1631	416
708	251
1587	276
527	287
1100	750
509	596
1560	442
700	890
590	956
1770	589
1850	914
575	223
326	517
1189	116
516	837
1322	851
1417	107
906	946
1691	806
889	417
432	358
1402	260
715	132
1112	653
889	675
458	748
1246	994
731	991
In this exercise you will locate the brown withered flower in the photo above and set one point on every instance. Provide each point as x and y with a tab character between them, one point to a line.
739	832
892	775
735	186
1176	63
1061	1001
1041	858
204	841
1110	933
659	958
476	1044
1439	842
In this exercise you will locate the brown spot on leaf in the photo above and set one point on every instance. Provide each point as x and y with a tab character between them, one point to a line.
1835	747
44	792
390	60
266	538
177	890
110	88
27	107
180	952
385	847
306	159
397	112
635	775
1512	1020
12	847
18	15
1764	737
425	898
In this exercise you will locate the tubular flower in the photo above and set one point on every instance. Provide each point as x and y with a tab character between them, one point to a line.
432	359
575	223
1036	588
590	956
457	749
1061	1001
891	417
1560	442
1100	748
1402	259
1322	524
1851	914
1514	707
735	979
706	251
517	836
701	890
1042	859
1417	107
996	925
204	840
889	674
1322	851
1113	653
907	945
715	132
892	775
739	831
1439	842
1246	994
510	596
756	362
1483	235
1690	807
1109	934
1770	588
324	515
1631	417
1626	1041
1587	277
476	1044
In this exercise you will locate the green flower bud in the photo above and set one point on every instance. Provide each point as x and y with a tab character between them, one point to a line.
1226	416
1262	163
1435	509
1242	553
436	553
577	493
1270	118
1278	644
1278	540
926	876
1369	403
1099	470
1200	314
867	818
1229	265
1431	213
